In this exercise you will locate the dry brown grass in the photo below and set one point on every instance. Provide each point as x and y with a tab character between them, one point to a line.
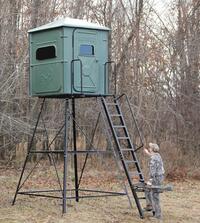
180	206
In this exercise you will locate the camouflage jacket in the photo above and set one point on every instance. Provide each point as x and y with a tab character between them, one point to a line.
156	165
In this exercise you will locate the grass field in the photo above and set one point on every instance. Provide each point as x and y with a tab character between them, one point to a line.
180	206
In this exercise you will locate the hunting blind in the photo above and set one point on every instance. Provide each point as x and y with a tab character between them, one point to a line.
69	60
68	56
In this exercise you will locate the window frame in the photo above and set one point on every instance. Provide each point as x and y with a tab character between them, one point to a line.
41	57
92	54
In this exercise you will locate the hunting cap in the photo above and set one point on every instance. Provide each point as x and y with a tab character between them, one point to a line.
154	147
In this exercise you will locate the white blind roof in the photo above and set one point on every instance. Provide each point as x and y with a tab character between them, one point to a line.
69	22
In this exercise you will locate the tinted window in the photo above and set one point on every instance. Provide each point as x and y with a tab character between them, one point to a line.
86	50
47	52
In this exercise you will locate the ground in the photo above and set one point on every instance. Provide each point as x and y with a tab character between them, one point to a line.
180	206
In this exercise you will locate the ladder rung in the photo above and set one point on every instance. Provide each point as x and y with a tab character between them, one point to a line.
134	174
127	149
130	161
139	185
119	126
109	103
124	137
115	115
140	190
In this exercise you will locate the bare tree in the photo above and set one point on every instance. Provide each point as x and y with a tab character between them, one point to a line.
157	64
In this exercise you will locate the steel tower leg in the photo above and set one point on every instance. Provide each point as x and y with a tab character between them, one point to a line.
28	153
67	116
75	149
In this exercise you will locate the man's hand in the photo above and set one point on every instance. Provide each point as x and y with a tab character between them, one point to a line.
146	151
149	183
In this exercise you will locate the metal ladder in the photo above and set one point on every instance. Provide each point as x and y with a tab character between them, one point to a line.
127	153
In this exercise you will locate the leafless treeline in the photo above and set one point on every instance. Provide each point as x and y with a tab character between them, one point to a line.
157	64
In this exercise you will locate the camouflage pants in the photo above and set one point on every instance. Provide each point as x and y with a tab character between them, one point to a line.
153	198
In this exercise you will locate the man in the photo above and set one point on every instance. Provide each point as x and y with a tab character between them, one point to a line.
156	177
